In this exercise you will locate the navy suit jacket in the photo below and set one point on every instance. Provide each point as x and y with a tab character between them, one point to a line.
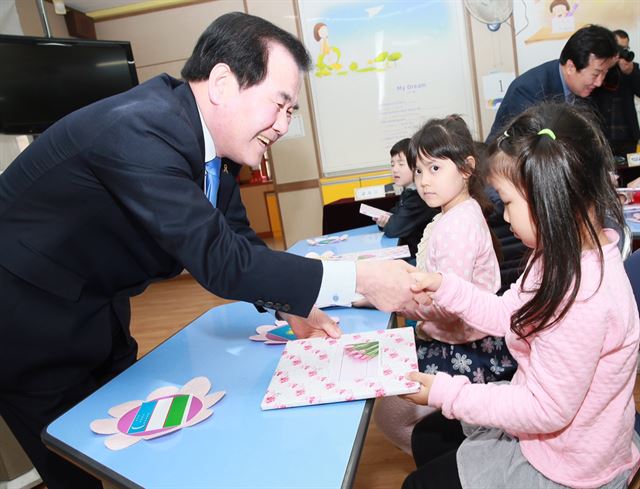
104	202
540	83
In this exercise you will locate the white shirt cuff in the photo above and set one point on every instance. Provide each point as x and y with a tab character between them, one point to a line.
338	287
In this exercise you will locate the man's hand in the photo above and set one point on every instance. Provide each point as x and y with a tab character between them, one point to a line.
386	284
382	220
317	325
422	396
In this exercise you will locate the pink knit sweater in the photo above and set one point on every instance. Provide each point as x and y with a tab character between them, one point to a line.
570	402
458	241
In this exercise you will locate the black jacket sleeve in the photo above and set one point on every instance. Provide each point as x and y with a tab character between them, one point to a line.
411	213
157	187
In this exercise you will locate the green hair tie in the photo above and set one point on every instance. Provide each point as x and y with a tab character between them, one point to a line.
548	132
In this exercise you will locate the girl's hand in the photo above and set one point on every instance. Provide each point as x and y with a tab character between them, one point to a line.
422	396
424	285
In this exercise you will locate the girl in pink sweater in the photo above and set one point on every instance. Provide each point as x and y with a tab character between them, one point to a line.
570	321
443	157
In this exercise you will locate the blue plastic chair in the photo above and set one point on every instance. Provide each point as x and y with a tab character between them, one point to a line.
632	267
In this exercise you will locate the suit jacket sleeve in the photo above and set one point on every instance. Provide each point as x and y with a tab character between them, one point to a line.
515	101
148	164
540	83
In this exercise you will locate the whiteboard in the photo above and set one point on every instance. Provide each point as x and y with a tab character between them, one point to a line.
380	72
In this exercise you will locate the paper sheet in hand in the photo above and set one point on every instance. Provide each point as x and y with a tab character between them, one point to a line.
371	211
355	366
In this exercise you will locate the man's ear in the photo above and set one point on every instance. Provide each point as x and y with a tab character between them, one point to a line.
221	83
570	67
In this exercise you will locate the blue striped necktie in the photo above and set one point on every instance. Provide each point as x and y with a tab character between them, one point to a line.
212	180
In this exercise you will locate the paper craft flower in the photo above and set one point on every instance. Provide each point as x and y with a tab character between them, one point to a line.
363	351
327	255
270	339
327	240
278	333
164	411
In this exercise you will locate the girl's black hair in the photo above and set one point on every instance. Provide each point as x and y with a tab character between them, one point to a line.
449	138
567	184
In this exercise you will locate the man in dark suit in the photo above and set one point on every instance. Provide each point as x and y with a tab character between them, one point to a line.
583	65
615	100
110	198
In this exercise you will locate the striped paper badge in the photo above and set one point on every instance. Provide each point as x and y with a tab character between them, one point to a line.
166	412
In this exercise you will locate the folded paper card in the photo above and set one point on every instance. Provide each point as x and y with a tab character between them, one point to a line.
355	366
327	240
371	211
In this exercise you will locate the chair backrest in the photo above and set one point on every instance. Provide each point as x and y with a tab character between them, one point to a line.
632	267
626	239
626	243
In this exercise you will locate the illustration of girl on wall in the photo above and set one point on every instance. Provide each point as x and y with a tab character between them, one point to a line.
329	57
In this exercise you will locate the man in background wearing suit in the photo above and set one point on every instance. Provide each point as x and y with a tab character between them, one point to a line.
583	65
110	198
615	100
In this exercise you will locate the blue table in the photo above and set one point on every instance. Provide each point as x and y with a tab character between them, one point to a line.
360	239
239	446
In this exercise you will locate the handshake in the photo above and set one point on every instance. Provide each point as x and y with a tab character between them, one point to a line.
396	286
391	286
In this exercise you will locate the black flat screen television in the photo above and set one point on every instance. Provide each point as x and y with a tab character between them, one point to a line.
44	79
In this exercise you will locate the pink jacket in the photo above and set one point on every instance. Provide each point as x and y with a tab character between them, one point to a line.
458	241
570	402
